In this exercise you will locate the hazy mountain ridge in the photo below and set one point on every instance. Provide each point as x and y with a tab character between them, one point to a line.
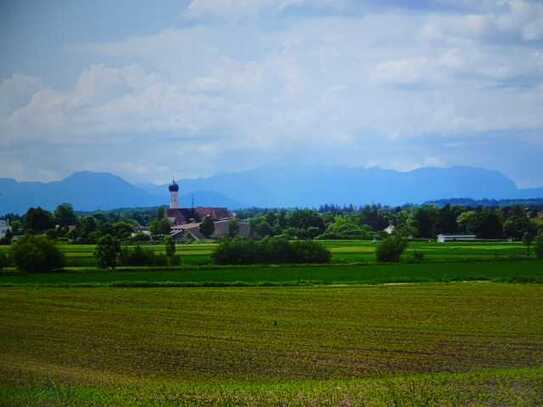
269	187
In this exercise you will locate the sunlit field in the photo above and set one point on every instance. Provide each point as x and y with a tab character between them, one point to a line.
429	344
462	326
343	251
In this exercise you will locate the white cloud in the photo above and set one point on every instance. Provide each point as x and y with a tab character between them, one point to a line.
16	91
326	81
505	21
244	9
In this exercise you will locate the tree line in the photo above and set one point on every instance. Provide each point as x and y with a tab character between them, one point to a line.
369	222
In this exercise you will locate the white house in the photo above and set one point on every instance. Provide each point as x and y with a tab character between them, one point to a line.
390	229
455	238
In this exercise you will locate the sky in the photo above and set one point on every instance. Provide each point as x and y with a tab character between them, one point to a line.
151	90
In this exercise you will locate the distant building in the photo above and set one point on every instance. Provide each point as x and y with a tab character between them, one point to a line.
455	238
181	216
186	221
4	228
390	229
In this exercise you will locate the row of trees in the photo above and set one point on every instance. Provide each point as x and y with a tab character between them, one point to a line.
33	254
65	224
414	221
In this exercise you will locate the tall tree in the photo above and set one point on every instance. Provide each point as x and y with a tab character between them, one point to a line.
65	215
233	228
207	227
107	252
37	220
170	247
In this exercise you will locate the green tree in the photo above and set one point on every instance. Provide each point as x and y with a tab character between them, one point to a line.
488	225
391	248
528	238
262	227
538	246
233	228
517	224
170	246
107	252
122	230
467	221
65	215
37	220
160	227
3	260
35	254
447	220
424	221
161	213
207	227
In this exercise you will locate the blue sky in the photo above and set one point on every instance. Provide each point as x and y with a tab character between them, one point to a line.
148	90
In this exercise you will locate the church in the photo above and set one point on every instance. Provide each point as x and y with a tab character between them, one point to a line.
186	221
181	216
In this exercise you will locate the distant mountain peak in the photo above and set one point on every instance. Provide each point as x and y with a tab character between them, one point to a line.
284	186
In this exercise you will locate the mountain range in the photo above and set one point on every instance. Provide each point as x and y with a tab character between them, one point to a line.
268	187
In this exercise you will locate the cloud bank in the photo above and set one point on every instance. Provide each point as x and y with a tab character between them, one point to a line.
238	83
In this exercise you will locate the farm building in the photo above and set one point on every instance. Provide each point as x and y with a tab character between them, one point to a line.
455	238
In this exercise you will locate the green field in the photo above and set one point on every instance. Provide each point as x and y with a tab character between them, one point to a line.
526	271
422	344
343	252
456	329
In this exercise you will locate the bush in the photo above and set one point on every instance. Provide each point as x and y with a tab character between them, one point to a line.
138	256
391	249
107	252
307	251
4	261
270	250
418	257
34	254
539	246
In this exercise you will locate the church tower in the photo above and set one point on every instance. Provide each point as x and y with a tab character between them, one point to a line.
174	195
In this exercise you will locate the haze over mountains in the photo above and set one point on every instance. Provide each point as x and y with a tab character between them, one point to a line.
268	187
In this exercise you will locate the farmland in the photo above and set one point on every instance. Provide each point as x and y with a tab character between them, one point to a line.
429	343
343	252
462	326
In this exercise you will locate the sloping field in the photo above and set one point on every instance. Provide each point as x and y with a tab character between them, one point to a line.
168	346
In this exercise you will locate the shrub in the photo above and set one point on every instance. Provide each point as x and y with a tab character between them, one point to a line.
138	256
3	260
34	254
236	251
207	227
391	248
270	250
307	251
170	246
107	252
418	257
539	246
